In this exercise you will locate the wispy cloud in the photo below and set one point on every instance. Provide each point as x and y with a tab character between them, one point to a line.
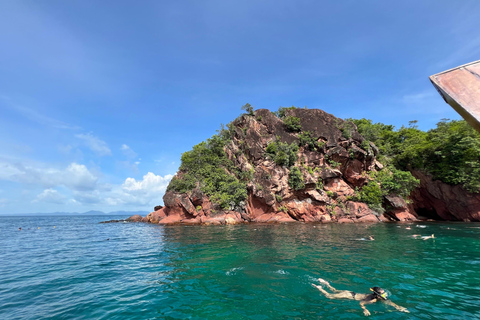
419	97
468	52
35	116
128	152
95	144
464	35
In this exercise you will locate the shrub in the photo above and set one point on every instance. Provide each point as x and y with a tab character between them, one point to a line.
347	128
331	208
394	181
370	194
306	139
281	111
246	175
272	148
282	153
248	108
182	185
351	154
365	145
292	124
319	184
333	163
295	179
278	198
310	170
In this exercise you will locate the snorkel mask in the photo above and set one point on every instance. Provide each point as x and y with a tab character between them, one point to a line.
379	292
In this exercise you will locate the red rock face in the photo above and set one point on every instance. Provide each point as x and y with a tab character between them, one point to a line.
136	218
436	199
330	174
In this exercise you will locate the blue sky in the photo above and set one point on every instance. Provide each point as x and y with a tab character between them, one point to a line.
98	99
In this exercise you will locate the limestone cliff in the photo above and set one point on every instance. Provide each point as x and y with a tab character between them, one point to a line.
331	161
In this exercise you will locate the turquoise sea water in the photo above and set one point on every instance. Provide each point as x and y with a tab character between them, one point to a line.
76	268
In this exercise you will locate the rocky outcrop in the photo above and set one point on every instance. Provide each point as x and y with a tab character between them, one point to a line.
440	201
339	162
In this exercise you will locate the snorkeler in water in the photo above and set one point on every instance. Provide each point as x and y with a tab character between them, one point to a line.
378	294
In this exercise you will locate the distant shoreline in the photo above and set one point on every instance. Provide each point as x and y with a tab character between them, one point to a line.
69	214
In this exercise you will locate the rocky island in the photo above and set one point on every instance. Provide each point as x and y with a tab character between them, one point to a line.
306	165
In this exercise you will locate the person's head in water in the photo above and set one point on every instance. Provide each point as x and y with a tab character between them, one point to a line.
379	292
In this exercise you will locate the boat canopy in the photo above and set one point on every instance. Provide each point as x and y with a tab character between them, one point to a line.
460	88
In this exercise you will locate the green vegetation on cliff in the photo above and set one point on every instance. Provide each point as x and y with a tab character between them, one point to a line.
208	165
390	181
295	179
450	152
306	139
282	153
292	124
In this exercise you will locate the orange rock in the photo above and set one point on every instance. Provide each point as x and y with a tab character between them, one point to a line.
368	218
345	220
339	186
171	219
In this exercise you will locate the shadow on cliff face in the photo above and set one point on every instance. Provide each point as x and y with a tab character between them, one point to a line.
440	201
428	214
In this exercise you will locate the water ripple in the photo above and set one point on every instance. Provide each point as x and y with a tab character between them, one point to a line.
84	270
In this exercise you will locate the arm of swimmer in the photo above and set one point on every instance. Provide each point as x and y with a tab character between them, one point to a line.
396	306
362	305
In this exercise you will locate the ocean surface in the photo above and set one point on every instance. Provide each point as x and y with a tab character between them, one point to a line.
77	268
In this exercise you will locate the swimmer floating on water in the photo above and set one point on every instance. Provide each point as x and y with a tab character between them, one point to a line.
378	294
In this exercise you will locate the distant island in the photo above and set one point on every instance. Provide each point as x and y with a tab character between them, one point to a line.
88	213
299	164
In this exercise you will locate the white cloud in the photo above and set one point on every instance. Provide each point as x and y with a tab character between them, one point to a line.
150	182
3	202
146	192
84	186
76	176
51	196
97	145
